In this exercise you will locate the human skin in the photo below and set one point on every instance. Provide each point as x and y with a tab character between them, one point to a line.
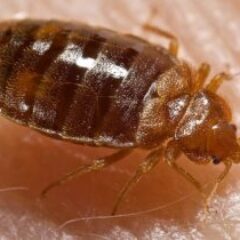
162	205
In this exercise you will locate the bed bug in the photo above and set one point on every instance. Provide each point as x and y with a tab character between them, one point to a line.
94	86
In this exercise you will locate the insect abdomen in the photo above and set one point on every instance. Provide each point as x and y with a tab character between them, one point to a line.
78	82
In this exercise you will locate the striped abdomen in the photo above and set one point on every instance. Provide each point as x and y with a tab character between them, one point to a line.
78	82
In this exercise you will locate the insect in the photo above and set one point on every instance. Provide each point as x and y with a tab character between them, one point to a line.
94	86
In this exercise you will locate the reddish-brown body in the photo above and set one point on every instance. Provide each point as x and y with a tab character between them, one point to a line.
77	82
94	86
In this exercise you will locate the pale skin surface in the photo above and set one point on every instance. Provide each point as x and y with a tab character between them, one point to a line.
163	205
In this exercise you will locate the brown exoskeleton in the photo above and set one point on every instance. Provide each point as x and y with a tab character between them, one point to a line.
94	86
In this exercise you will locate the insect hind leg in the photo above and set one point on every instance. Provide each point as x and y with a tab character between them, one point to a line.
173	44
94	166
173	47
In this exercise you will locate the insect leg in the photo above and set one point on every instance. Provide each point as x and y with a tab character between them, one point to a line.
94	166
216	82
173	45
228	165
171	155
201	76
149	163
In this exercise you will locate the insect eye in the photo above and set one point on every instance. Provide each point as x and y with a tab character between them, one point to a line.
234	127
216	160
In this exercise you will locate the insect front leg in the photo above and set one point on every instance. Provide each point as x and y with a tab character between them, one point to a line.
146	166
201	76
94	166
217	80
220	178
172	153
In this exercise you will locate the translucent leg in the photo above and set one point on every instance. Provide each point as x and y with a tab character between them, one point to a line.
149	163
173	45
216	82
228	165
201	76
94	166
171	155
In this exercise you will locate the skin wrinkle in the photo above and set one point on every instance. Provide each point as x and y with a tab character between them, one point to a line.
162	204
218	30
